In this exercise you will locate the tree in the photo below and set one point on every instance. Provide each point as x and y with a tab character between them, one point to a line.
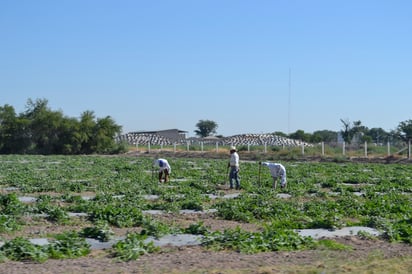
346	131
14	137
356	130
300	135
378	135
45	127
86	131
104	133
39	130
280	133
206	128
404	130
327	136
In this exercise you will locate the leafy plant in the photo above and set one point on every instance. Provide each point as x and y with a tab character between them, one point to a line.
196	229
134	246
10	205
68	245
8	223
155	228
101	231
20	249
121	216
56	214
254	242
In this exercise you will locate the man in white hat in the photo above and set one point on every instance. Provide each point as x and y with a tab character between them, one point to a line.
234	168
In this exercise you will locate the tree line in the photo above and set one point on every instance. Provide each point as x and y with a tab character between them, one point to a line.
40	130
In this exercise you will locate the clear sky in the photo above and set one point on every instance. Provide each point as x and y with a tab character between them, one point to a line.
251	66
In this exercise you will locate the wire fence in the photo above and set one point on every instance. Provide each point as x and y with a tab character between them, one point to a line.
367	150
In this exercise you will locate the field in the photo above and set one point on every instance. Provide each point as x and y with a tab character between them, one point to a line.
67	203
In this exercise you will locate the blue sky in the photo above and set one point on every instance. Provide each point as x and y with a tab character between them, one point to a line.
250	66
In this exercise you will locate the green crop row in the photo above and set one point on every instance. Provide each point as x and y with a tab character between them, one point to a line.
322	195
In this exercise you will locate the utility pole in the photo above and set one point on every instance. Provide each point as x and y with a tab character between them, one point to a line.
289	98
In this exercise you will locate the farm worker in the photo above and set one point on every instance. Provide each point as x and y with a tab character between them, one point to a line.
276	171
234	168
164	169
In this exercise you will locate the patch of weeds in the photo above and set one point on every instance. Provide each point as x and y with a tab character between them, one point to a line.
134	246
255	242
365	235
155	228
10	205
192	204
57	214
68	245
3	257
331	245
118	215
196	229
20	249
8	223
101	231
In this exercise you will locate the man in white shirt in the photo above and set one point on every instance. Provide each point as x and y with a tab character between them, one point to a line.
164	169
276	171
234	168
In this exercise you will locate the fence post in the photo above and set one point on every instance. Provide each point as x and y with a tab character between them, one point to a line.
303	149
148	146
217	147
389	149
366	149
187	146
201	146
248	147
323	148
265	148
343	148
409	149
